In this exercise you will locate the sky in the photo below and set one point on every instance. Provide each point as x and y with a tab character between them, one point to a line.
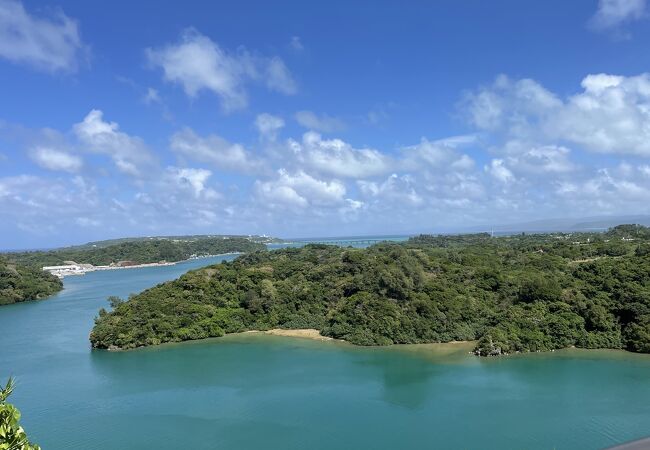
334	118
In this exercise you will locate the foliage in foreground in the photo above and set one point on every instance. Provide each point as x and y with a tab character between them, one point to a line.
20	283
12	435
518	293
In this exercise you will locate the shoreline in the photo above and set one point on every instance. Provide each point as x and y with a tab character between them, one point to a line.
303	333
65	273
307	334
425	350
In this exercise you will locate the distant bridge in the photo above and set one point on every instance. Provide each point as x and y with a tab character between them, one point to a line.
349	242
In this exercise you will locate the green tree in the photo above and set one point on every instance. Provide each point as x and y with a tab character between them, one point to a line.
12	435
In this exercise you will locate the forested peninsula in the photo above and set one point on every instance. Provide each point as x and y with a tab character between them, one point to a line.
19	283
510	294
139	250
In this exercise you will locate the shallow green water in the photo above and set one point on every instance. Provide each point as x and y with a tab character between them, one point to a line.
257	391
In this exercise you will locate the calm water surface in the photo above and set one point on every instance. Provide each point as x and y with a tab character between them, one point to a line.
256	391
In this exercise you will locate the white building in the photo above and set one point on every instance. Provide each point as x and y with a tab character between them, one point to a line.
68	269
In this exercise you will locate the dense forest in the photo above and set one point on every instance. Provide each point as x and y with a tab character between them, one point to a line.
140	251
510	294
19	283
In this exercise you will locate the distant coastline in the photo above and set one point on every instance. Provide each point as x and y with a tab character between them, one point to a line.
82	269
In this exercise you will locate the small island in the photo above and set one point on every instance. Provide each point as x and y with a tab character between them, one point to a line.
521	293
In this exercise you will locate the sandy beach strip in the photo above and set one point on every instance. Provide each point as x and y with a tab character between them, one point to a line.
305	333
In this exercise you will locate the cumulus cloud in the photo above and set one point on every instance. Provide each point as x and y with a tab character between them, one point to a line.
216	151
499	171
395	190
338	158
198	63
511	105
54	159
51	43
613	13
441	153
522	159
322	123
192	179
129	153
610	115
299	190
545	160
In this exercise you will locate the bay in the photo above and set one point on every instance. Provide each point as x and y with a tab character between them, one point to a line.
258	391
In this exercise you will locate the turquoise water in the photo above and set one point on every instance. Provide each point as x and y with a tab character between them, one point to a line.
257	391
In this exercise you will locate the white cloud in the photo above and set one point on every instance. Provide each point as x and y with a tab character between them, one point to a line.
215	151
499	171
194	180
396	190
198	63
543	160
440	154
613	13
40	205
609	190
299	190
323	123
278	78
338	158
53	159
129	153
46	43
610	115
268	125
464	163
508	104
532	166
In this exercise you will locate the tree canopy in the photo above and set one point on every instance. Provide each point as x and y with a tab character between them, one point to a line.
517	293
19	283
140	251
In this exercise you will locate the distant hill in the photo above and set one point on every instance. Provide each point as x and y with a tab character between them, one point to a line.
194	237
139	250
19	283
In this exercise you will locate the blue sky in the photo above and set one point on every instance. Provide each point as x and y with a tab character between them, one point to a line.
300	119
